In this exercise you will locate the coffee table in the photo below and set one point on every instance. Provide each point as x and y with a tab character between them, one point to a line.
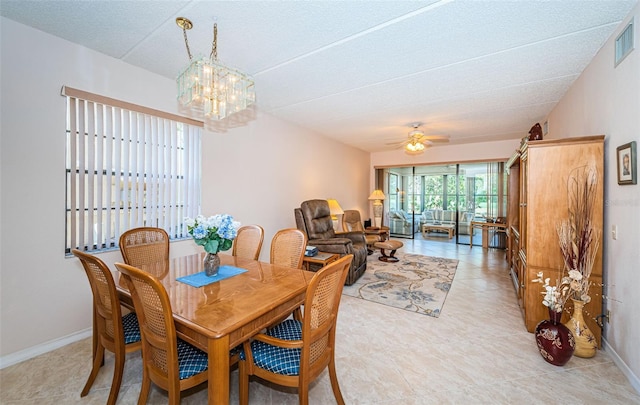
448	228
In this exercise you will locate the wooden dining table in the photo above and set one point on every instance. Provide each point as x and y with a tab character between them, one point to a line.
218	317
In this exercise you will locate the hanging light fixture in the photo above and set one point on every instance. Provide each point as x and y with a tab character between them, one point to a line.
414	147
207	88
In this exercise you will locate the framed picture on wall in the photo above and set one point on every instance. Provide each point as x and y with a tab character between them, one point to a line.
627	164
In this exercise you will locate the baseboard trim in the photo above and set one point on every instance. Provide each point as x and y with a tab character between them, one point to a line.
31	352
633	379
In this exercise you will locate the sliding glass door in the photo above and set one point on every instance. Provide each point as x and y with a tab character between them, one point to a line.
404	197
444	197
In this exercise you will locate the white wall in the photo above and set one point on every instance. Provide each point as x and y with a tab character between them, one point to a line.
257	173
606	100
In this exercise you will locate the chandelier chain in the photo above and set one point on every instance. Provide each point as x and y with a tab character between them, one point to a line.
186	42
214	45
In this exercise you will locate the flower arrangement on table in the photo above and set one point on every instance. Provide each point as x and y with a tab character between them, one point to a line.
215	233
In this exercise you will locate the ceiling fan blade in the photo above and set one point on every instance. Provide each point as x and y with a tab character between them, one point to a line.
436	138
397	143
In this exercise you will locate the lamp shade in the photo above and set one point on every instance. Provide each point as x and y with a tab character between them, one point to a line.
377	195
334	207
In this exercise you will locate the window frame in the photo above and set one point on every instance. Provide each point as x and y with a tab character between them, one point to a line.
127	148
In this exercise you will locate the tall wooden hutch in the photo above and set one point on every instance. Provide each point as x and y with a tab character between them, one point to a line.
538	201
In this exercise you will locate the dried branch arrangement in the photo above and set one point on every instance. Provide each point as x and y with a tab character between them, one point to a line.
579	240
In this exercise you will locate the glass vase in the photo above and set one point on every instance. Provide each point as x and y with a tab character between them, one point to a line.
586	344
211	264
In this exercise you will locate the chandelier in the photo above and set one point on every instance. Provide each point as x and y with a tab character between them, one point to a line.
208	89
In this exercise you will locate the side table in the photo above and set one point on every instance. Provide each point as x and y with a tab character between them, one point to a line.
320	260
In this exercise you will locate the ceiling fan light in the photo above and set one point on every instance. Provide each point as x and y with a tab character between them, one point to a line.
414	148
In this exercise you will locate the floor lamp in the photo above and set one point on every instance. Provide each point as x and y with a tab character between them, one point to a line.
377	196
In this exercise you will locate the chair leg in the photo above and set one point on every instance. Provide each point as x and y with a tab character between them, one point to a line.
174	397
303	394
334	382
118	370
243	379
144	388
98	357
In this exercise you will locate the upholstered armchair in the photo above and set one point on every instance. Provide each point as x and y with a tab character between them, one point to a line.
314	219
353	223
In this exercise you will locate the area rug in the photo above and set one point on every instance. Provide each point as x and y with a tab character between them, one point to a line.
415	283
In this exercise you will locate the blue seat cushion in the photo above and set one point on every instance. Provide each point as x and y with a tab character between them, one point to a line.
277	359
191	360
131	328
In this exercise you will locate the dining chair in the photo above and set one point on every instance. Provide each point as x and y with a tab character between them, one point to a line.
146	247
288	247
112	331
295	352
248	242
169	362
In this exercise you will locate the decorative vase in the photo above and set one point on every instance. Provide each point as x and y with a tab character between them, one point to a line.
211	264
555	341
586	344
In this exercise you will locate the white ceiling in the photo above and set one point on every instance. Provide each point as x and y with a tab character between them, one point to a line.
362	71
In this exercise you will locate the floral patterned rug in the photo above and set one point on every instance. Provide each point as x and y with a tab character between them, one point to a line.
416	283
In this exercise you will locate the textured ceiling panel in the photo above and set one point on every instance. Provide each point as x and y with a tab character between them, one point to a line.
362	71
110	27
255	36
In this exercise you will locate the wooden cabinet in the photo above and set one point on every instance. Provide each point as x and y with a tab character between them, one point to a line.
538	202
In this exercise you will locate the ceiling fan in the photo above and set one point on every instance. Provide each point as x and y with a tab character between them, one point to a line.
418	141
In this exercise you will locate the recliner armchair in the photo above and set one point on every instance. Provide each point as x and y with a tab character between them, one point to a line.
314	219
353	223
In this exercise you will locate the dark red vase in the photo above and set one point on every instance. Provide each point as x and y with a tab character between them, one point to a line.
555	341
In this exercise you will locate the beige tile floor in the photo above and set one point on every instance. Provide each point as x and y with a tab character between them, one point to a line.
477	352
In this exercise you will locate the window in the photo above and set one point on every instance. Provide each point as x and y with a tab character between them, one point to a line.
127	166
393	192
433	192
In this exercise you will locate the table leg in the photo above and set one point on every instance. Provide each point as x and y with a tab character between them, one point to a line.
218	384
485	237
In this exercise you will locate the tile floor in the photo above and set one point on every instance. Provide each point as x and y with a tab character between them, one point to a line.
477	352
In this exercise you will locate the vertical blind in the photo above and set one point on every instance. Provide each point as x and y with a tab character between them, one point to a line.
127	166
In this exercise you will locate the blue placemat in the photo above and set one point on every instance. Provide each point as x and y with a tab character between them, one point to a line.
201	279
